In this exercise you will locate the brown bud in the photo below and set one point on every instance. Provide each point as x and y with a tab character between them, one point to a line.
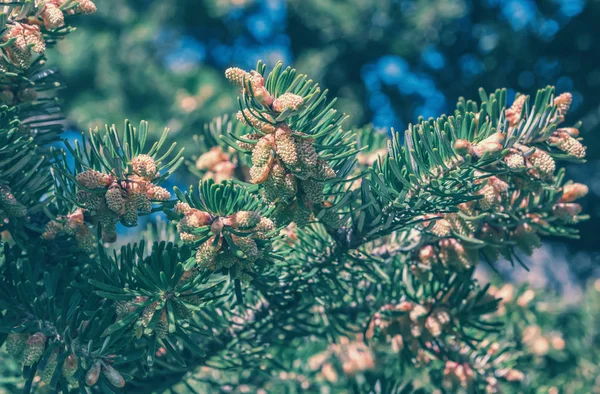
92	375
491	144
113	376
263	96
217	226
70	366
572	131
462	147
427	255
573	191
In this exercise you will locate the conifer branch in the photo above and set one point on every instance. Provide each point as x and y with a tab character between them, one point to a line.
309	257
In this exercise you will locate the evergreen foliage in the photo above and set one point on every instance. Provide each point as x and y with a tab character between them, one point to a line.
309	258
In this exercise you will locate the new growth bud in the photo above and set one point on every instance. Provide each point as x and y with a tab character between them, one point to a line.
513	114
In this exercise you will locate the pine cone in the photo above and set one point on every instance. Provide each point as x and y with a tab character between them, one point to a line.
288	101
85	7
441	228
9	203
92	179
245	220
206	253
526	238
261	153
514	161
248	247
237	76
543	163
563	141
247	145
313	190
50	367
285	146
108	226
161	330
115	200
34	348
142	202
144	166
70	366
309	158
7	97
130	216
89	200
158	193
15	345
225	260
53	17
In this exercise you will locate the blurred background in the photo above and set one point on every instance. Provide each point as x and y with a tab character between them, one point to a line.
388	61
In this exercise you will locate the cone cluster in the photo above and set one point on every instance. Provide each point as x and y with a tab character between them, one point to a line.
234	241
27	39
407	325
124	308
284	161
458	376
109	200
516	193
346	357
73	225
26	348
148	312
